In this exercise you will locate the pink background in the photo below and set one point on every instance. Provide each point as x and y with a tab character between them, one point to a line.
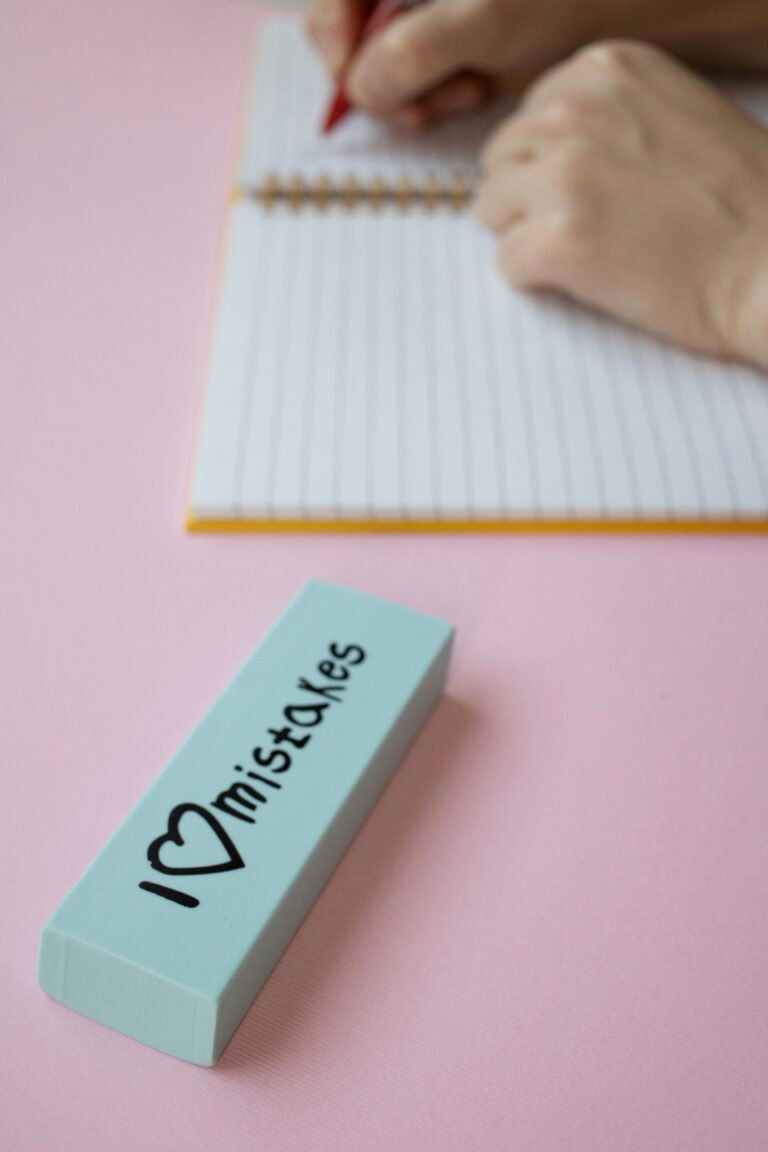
551	933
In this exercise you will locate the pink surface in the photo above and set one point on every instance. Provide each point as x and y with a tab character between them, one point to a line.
551	934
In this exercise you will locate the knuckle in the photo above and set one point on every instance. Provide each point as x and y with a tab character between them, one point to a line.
616	59
405	58
493	206
568	235
567	113
497	144
573	168
561	248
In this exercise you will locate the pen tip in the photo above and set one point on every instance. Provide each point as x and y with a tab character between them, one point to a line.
337	111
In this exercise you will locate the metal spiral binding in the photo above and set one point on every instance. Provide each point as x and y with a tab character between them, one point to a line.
350	193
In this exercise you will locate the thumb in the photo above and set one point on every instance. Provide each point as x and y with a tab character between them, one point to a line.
415	52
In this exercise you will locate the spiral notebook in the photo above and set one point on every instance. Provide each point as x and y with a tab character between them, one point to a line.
370	368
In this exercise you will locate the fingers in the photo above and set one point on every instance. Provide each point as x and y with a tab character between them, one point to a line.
455	97
570	181
594	97
416	52
565	123
547	237
333	27
519	139
548	174
596	189
506	198
525	259
597	70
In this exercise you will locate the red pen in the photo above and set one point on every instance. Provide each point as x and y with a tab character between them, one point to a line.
381	14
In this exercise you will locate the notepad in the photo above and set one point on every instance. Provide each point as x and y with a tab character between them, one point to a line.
370	366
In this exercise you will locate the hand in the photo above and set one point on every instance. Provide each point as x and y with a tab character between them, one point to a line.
439	58
444	56
630	184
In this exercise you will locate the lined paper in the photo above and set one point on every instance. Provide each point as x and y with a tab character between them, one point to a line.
375	366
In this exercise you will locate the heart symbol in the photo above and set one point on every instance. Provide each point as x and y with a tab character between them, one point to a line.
174	836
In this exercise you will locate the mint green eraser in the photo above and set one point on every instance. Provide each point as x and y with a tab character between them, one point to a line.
174	928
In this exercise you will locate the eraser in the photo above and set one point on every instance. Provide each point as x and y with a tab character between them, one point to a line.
172	931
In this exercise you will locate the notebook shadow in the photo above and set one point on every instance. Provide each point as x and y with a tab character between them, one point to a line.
273	1025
